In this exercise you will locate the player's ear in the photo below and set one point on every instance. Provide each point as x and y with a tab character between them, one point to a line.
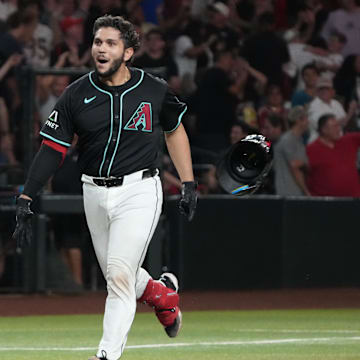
128	53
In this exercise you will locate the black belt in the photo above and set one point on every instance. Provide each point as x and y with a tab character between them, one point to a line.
118	181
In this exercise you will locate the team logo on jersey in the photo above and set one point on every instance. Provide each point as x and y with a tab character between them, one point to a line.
142	118
52	120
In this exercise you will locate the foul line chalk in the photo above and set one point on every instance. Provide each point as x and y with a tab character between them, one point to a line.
331	340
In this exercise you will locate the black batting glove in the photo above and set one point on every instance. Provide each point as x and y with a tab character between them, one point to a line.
23	230
189	198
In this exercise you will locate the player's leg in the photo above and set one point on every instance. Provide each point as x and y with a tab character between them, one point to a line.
134	211
162	296
95	198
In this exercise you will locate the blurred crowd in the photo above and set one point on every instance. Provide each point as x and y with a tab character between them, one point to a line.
289	70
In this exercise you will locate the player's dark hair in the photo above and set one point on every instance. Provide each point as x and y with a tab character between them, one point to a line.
127	30
311	66
323	121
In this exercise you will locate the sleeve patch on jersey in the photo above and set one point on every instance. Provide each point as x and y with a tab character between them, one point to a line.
142	118
52	120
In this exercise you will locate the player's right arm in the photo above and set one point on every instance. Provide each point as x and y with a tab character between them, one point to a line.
46	162
57	133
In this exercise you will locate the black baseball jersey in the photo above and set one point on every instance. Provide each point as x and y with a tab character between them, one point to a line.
119	127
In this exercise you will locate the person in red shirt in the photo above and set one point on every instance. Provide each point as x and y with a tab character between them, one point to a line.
332	161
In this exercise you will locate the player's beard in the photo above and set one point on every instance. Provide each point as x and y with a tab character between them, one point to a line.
113	69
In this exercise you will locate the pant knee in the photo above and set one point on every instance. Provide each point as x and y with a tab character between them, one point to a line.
120	280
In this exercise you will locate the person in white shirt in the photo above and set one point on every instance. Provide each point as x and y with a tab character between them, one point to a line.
324	103
346	21
37	52
331	62
188	47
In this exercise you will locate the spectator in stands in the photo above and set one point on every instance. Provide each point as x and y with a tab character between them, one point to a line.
266	51
215	103
303	27
208	183
38	51
49	90
300	56
273	128
310	75
157	60
7	8
332	160
151	10
324	103
330	63
78	52
7	155
192	52
274	104
347	80
6	137
238	131
247	13
21	30
345	21
218	26
21	27
174	14
290	160
252	83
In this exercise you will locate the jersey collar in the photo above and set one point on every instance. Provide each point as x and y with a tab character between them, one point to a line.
135	77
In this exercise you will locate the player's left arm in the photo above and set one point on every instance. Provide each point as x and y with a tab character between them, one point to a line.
178	146
177	142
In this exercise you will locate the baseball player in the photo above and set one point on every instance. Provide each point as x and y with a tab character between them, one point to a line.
119	114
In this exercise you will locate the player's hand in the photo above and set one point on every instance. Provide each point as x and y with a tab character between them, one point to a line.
23	230
189	198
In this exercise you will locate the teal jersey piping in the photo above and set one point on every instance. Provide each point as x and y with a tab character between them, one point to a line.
179	121
56	140
121	115
112	119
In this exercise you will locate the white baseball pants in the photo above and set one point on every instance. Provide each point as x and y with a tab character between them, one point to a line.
121	221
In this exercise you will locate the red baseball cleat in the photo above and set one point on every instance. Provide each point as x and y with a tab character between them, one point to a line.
163	296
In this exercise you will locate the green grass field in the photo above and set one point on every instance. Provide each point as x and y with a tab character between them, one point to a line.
210	335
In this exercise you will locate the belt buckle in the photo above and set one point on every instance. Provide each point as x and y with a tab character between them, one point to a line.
110	182
113	181
101	182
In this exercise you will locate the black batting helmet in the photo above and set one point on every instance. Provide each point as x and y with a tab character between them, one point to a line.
243	169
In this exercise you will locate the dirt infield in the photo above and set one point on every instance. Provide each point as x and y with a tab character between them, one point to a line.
93	303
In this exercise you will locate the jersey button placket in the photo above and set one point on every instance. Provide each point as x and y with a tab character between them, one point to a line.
116	125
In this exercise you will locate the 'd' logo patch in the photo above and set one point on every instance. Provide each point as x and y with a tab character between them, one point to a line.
142	118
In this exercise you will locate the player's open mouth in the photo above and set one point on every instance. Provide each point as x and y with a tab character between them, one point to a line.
102	60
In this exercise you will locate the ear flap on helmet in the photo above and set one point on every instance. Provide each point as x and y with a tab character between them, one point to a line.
245	165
